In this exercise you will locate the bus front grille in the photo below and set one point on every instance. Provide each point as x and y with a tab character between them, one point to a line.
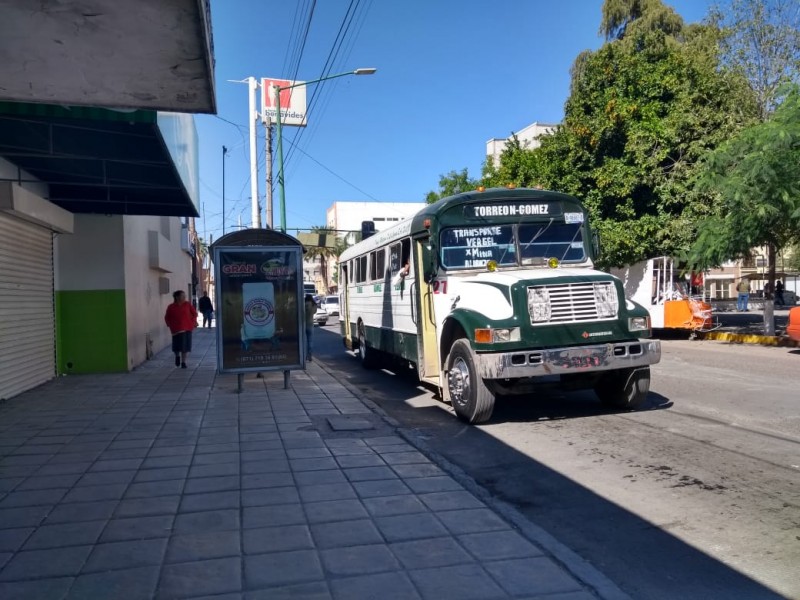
568	303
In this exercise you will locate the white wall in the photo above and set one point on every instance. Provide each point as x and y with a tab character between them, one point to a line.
145	302
349	215
528	137
10	171
91	257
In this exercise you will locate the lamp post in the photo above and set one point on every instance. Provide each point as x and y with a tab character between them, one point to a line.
224	153
279	131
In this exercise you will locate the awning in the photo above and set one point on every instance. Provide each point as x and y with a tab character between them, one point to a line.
105	161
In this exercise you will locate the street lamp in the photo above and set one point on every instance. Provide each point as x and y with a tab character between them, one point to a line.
278	130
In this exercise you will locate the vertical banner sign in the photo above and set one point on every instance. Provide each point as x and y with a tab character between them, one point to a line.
293	102
259	307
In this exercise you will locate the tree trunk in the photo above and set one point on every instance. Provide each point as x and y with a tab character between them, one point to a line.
769	292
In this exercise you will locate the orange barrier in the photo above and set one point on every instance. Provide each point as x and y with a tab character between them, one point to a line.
793	329
691	314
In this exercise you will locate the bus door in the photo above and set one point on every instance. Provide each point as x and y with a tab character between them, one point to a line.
428	362
344	305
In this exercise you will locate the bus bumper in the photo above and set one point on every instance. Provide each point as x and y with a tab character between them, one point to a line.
571	360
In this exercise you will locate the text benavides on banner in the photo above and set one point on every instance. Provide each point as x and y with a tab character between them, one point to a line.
293	101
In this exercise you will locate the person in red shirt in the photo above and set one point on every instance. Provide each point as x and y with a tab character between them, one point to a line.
181	318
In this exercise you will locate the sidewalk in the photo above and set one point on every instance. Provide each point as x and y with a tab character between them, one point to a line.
164	483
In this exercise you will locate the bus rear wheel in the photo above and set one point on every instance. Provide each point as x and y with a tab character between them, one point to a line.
626	388
471	399
367	356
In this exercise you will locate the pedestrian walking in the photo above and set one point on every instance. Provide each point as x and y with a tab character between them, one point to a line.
779	293
311	309
743	297
206	309
181	318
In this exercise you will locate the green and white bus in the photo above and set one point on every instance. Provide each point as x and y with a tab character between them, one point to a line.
500	297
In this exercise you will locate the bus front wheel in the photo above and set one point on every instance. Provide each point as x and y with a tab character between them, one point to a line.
625	388
367	355
471	399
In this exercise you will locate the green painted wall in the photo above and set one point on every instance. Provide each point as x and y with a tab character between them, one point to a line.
91	335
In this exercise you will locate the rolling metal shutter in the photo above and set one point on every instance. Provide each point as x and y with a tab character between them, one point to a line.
27	320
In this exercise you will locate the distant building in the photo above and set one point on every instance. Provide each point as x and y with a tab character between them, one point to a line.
347	216
528	136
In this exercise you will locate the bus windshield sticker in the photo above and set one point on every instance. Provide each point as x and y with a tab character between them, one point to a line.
514	209
468	247
573	217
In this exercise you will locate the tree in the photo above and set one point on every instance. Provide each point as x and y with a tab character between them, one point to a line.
454	182
322	251
756	177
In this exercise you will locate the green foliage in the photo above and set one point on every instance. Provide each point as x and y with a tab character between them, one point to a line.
455	182
620	17
756	177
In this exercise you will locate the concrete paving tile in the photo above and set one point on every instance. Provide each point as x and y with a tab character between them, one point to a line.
404	458
68	468
271	444
32	498
263	455
335	510
212	520
9	483
82	511
266	496
345	533
300	442
65	534
358	560
384	506
106	478
201	485
36	590
281	568
116	465
277	539
319	477
42	483
360	460
369	473
131	584
308	453
410	527
123	555
312	464
497	545
162	474
217	448
209	501
465	582
265	466
143	507
430	552
326	491
317	590
162	462
12	539
265	480
422	485
122	454
153	489
532	575
386	586
202	546
473	520
39	564
418	470
216	458
380	487
270	516
214	470
137	528
31	461
198	578
351	450
437	501
92	493
120	444
160	451
385	440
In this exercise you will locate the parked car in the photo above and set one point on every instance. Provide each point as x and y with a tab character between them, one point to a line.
331	305
321	316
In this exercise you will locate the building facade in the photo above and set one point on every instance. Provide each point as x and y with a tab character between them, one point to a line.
528	136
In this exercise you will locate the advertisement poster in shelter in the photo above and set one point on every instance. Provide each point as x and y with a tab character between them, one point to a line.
258	308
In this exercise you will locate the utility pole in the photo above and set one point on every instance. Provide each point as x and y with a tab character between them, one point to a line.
251	121
268	134
224	152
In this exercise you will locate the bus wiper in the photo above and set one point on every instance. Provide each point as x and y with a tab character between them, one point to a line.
569	246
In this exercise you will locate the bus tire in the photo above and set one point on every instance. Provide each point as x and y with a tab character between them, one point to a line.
471	399
368	356
625	388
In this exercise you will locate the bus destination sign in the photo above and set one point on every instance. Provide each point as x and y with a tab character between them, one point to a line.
514	209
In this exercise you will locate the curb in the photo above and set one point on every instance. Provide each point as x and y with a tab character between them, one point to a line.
573	563
749	338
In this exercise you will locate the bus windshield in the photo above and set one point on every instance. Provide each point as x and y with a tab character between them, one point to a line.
511	245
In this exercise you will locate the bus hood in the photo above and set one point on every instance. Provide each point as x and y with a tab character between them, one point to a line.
512	276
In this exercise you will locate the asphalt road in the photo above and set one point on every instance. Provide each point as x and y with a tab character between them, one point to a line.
695	496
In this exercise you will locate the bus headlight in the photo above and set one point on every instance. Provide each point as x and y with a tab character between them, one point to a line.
605	298
493	336
638	323
539	304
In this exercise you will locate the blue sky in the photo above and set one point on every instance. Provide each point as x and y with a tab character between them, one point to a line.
451	75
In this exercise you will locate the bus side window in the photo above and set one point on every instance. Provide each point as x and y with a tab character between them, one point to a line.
405	255
394	259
